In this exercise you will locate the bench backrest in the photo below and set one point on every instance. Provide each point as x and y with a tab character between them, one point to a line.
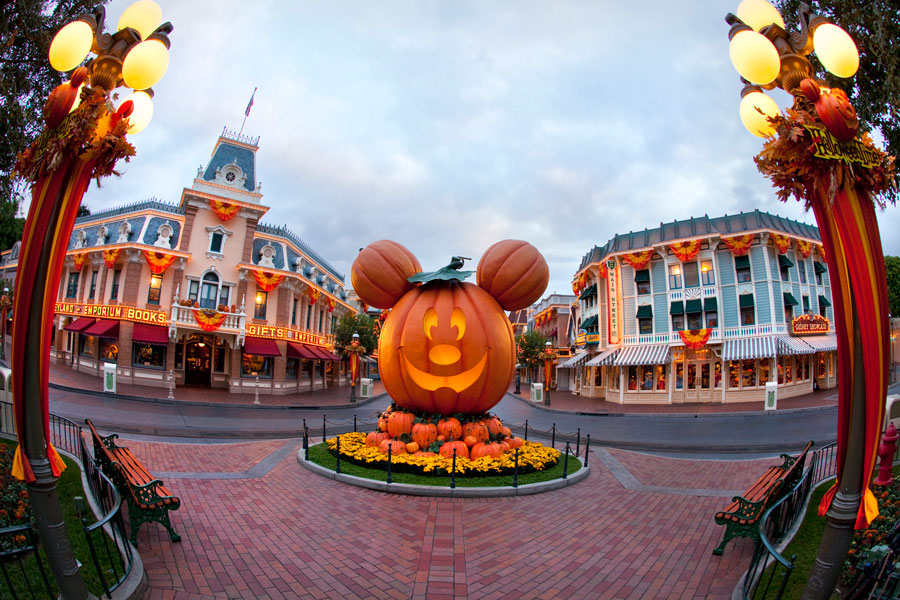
792	475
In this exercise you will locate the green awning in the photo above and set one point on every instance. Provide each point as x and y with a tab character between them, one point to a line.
819	267
710	304
589	322
789	299
746	301
642	276
741	261
588	291
677	308
644	312
784	261
823	301
693	306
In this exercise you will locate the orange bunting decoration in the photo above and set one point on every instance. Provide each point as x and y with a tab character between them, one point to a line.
224	210
685	251
804	248
603	271
313	294
209	320
782	242
111	256
267	281
332	304
159	261
822	252
695	338
739	245
79	259
639	260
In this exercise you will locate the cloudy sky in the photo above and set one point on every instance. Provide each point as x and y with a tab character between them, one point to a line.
450	125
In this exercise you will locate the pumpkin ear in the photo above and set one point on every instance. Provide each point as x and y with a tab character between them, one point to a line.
380	272
514	273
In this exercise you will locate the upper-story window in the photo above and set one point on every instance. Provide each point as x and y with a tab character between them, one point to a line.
72	286
215	241
789	303
694	311
785	265
819	268
707	273
93	289
748	309
114	293
823	306
645	319
642	281
801	268
742	269
675	277
294	313
261	300
806	308
691	275
209	290
153	293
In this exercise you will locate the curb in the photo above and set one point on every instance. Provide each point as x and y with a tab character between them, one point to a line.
176	402
445	492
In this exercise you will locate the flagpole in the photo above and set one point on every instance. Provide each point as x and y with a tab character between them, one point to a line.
247	112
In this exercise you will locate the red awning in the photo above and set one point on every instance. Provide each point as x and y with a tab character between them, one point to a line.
79	324
322	353
300	351
104	328
156	335
261	347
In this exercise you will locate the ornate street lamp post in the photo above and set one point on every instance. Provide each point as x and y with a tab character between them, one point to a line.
549	356
354	350
83	139
814	154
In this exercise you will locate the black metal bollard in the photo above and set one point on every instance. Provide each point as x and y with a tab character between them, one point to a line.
337	468
526	430
305	442
389	464
516	470
553	437
578	442
354	422
566	462
453	472
323	428
587	449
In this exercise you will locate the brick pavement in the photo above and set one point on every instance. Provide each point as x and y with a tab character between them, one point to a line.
289	533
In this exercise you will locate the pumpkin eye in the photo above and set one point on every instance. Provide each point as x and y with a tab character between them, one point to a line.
431	321
458	320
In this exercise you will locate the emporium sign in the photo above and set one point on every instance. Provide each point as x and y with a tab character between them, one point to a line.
107	311
284	334
809	325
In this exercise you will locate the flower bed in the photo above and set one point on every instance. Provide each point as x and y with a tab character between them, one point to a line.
532	457
15	508
877	533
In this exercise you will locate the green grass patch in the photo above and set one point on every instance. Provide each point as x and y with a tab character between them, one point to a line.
320	455
68	486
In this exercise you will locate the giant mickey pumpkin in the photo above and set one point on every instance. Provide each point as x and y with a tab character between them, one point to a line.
447	347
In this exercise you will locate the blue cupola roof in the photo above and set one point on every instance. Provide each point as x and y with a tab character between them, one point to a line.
233	161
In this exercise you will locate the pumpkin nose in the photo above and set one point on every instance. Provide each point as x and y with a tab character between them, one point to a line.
444	354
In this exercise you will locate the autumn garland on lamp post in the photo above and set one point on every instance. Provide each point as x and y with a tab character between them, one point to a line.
813	154
83	139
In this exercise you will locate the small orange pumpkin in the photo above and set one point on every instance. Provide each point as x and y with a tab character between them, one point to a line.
477	430
513	272
495	427
506	431
399	423
424	434
441	438
481	449
462	451
380	273
375	438
425	453
470	441
396	446
450	428
515	442
412	448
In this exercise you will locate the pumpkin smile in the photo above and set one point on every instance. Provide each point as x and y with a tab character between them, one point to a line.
457	383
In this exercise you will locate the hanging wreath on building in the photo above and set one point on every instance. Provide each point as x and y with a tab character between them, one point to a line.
208	319
739	244
111	256
78	260
685	251
267	281
639	260
804	248
782	242
159	261
695	338
313	294
224	210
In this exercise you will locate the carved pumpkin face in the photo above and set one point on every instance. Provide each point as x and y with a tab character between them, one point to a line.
447	347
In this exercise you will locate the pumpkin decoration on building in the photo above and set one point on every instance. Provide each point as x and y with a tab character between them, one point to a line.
447	346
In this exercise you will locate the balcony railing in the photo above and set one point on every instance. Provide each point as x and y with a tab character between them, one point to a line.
718	334
183	316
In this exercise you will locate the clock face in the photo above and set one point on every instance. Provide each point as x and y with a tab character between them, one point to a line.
230	176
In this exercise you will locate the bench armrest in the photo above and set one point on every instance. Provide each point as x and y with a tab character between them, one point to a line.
746	510
146	493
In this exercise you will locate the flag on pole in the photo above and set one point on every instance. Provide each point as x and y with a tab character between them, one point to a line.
250	104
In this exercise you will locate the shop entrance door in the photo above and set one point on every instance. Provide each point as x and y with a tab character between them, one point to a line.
197	363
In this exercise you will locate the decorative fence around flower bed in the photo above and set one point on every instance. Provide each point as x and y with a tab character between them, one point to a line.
111	556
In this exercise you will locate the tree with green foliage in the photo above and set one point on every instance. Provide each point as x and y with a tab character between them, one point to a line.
892	266
347	325
531	344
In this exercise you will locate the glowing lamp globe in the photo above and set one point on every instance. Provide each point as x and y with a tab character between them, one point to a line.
754	57
71	45
758	14
145	65
144	16
755	122
836	50
143	111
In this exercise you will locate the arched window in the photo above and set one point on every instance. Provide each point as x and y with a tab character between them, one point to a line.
209	291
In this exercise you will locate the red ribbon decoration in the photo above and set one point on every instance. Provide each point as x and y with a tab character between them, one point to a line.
224	210
695	338
207	319
111	256
805	248
782	242
159	261
79	259
267	281
740	244
685	251
639	260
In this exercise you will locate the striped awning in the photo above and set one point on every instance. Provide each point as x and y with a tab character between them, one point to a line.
792	345
822	343
575	361
604	359
748	348
643	355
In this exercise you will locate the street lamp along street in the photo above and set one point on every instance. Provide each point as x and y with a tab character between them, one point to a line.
814	155
83	138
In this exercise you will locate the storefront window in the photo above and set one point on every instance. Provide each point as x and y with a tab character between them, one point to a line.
632	378
647	378
614	378
679	376
149	356
179	355
219	351
748	374
109	350
734	374
780	365
692	376
598	376
660	378
253	365
717	368
763	371
821	370
88	346
292	367
704	376
804	365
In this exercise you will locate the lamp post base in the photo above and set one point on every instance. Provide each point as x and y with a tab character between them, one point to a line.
836	539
